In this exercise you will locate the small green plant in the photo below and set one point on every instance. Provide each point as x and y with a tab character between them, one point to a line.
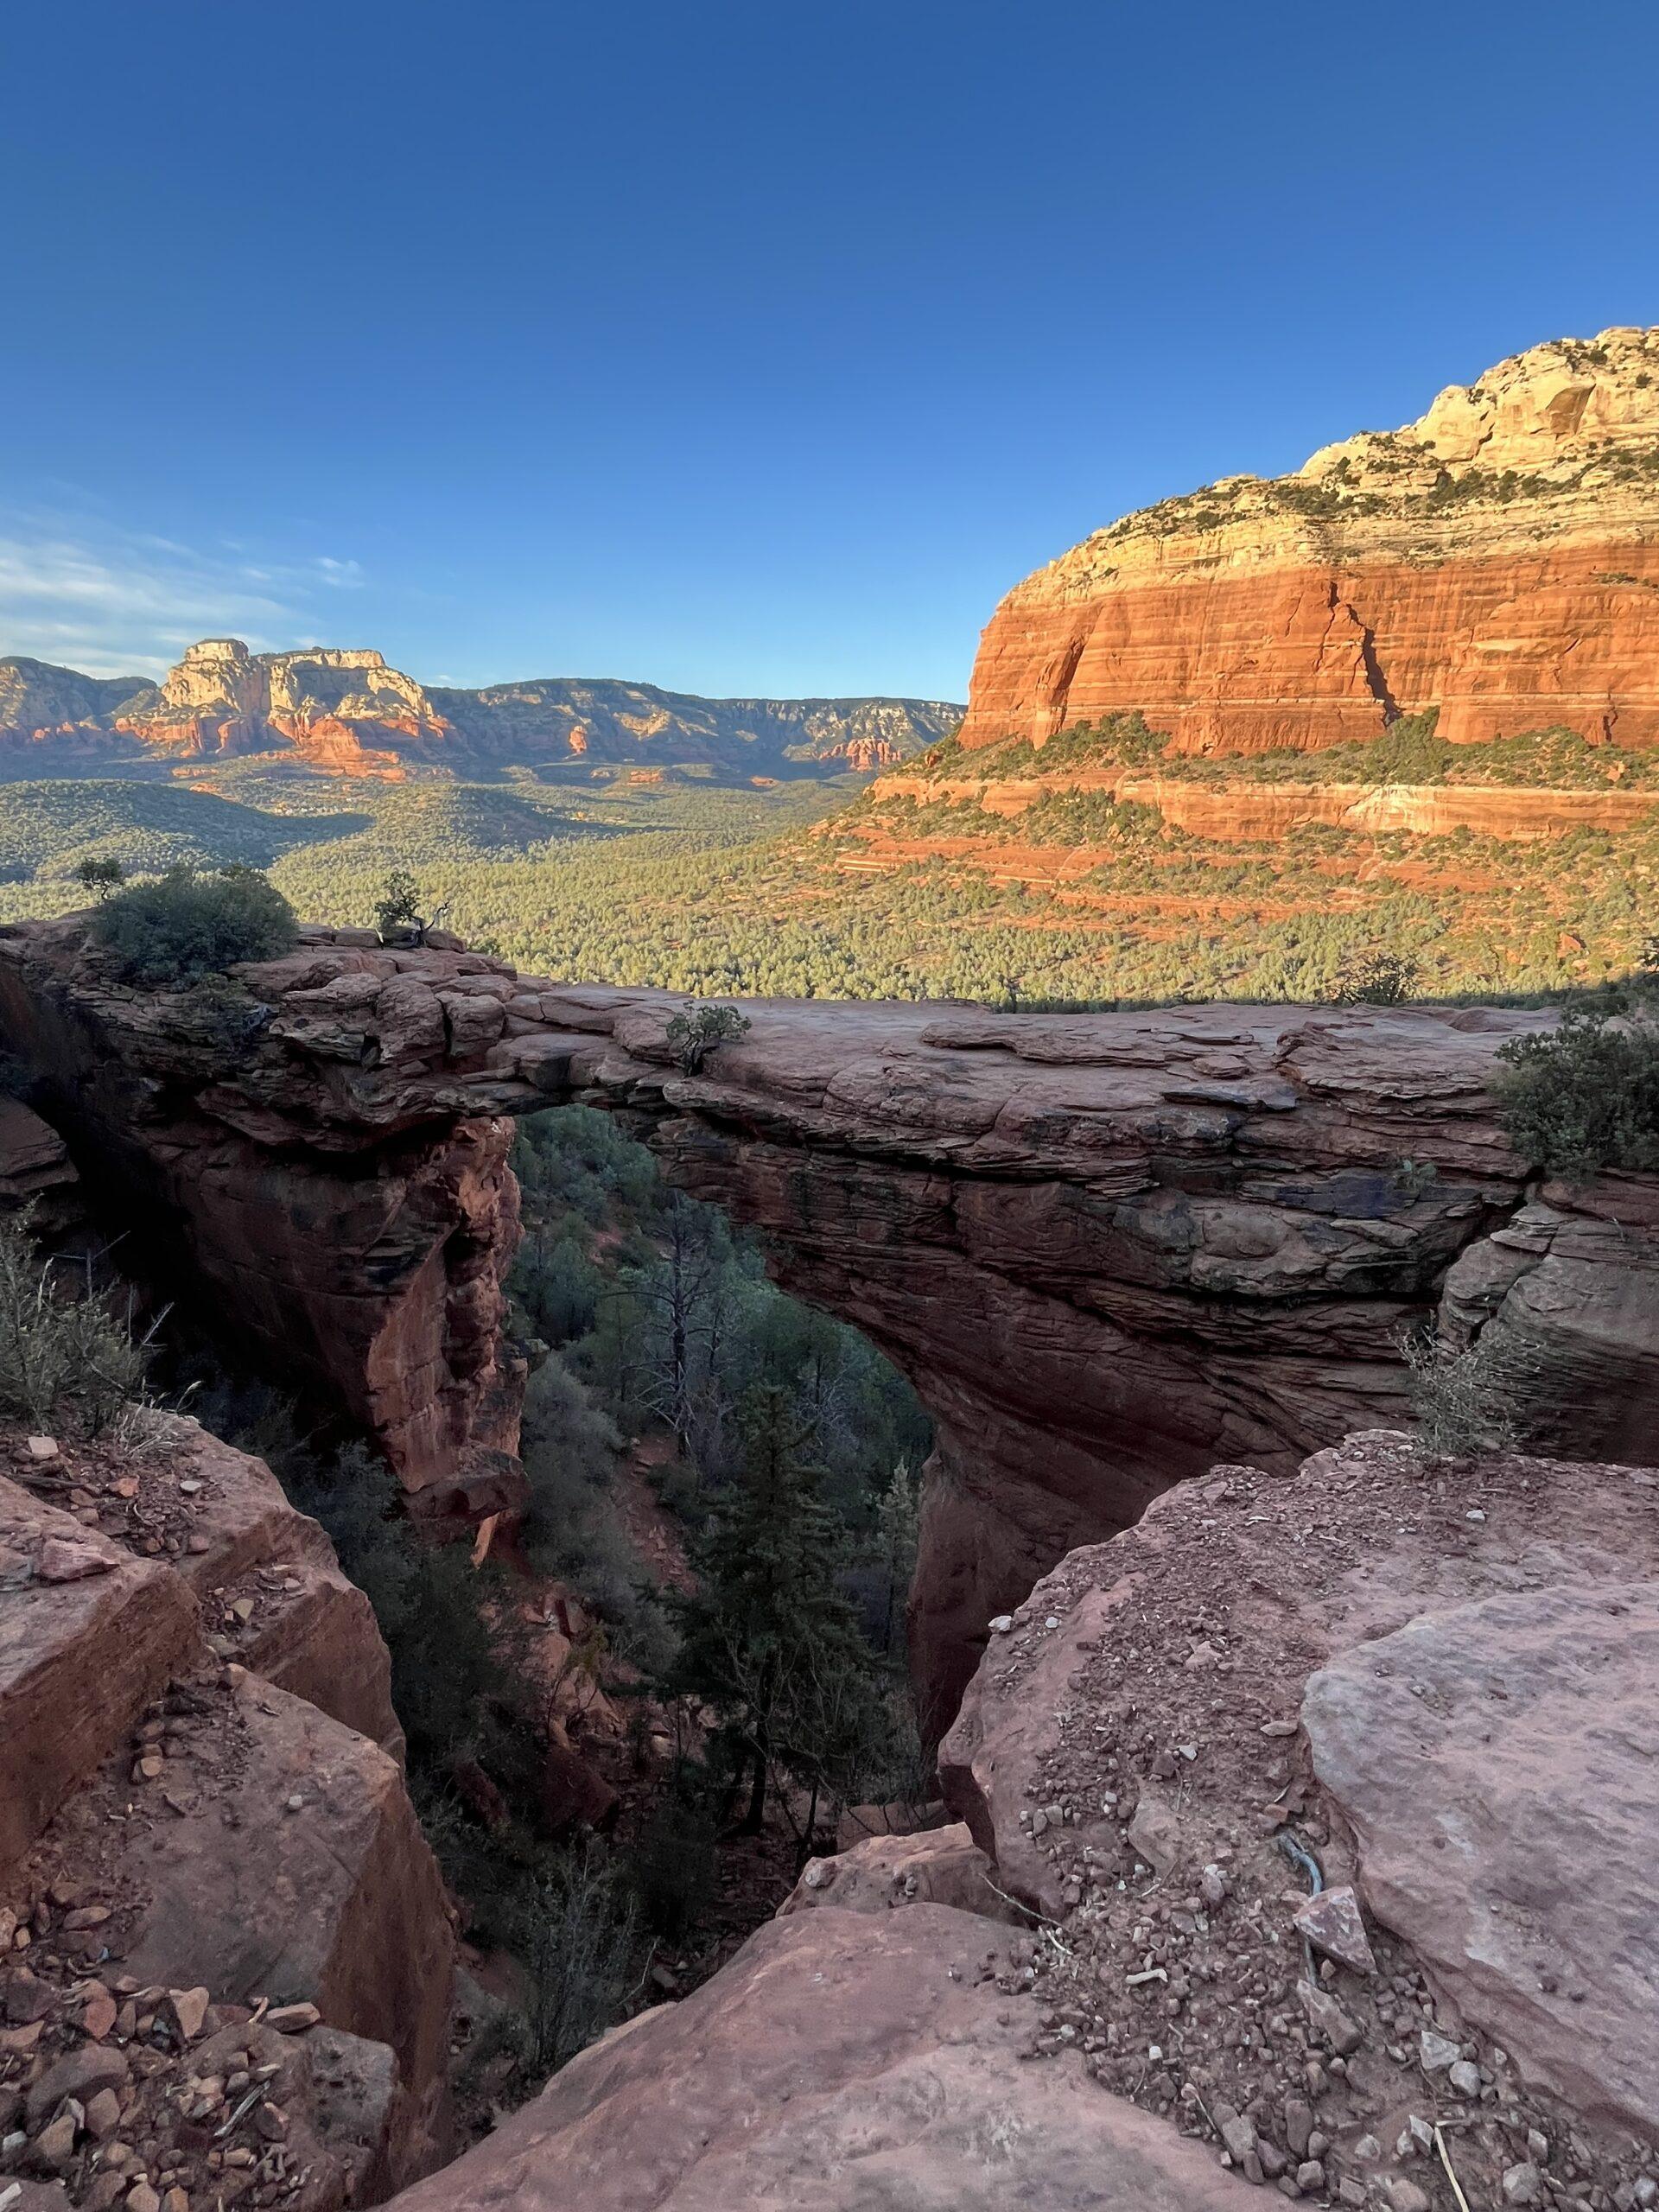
1414	1177
190	925
61	1358
694	1032
398	909
1376	979
1474	1400
1584	1095
100	877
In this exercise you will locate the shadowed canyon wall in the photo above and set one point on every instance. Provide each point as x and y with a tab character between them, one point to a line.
1109	1250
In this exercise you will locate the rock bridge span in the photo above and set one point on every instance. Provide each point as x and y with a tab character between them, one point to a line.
1107	1250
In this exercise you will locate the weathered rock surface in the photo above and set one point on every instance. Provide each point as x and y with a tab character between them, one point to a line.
334	1899
1497	559
308	1630
182	1823
1499	1763
937	1867
1108	1248
840	2064
1437	1678
80	1659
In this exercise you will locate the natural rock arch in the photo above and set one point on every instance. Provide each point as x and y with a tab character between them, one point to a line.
1109	1250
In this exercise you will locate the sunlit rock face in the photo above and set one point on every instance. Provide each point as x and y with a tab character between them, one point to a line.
1498	559
344	711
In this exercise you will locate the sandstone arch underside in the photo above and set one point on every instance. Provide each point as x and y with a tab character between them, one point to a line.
1109	1250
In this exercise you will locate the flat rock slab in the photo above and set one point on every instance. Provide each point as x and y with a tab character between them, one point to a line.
82	1654
835	2066
1500	1766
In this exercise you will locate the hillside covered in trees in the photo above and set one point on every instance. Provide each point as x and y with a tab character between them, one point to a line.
1023	875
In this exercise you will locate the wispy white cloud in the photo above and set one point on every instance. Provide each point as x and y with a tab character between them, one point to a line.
126	603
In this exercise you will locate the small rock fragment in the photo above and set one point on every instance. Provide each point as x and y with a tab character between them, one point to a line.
1332	1923
189	2010
1328	2018
62	1560
1404	2196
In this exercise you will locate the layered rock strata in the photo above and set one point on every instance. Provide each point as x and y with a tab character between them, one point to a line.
344	711
1498	559
1107	1248
1243	811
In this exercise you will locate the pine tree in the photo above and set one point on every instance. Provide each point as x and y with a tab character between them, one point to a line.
768	1637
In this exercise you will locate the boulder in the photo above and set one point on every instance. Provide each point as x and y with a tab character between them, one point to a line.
1499	1762
939	1866
839	2061
80	1656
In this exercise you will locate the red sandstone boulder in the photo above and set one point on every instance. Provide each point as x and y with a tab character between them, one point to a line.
1429	1680
939	1866
840	2061
310	1631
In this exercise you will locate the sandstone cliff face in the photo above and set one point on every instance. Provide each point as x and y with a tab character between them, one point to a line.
563	719
58	709
338	709
1498	559
204	1827
1107	1248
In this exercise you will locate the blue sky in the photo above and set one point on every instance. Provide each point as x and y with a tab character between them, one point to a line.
740	347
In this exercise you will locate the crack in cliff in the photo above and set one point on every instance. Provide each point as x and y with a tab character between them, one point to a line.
1374	676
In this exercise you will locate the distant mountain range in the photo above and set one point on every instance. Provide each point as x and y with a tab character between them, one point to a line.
345	712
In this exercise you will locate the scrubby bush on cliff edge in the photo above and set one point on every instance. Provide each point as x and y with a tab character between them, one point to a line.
1586	1096
188	925
60	1358
1479	1398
